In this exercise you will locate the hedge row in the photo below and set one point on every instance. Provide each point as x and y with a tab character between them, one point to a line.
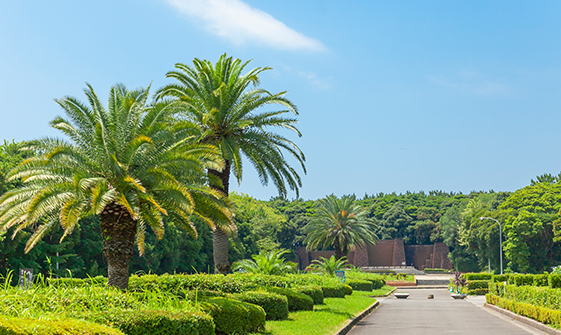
477	276
360	285
275	305
541	314
296	301
158	322
23	326
551	280
539	296
377	280
313	291
232	316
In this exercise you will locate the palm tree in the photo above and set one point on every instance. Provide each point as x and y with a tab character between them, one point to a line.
270	263
329	266
125	163
224	104
340	223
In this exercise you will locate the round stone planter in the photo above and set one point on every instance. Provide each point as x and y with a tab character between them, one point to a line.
459	296
401	295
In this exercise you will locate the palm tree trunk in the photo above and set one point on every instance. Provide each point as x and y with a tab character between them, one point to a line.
219	236
339	251
118	231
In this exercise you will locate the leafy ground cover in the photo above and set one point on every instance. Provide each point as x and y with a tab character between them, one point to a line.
324	319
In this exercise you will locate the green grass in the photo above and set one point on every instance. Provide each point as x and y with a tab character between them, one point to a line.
383	291
324	319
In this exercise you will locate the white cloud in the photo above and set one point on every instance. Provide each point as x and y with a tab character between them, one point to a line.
239	23
317	82
472	82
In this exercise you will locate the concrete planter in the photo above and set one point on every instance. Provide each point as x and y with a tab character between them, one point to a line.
459	296
401	295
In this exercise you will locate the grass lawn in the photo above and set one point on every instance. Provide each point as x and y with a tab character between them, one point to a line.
383	291
325	319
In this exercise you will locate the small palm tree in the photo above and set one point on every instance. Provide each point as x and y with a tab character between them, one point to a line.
329	266
340	223
225	104
270	263
126	163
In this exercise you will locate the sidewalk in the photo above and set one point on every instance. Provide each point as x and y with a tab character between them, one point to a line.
418	315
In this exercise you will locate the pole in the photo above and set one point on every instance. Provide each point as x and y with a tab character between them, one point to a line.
500	239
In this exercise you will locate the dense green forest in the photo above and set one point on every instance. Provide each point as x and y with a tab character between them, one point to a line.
530	218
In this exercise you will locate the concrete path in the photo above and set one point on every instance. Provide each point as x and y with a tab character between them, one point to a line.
418	315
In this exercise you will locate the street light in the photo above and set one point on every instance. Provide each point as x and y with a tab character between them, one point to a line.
500	239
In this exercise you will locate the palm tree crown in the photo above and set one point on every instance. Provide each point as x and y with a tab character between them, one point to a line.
125	163
270	263
223	102
340	223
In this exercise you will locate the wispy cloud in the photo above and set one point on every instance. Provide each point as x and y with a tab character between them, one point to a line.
239	23
472	82
313	79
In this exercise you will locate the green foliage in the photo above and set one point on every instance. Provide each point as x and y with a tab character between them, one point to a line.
275	305
348	289
157	322
313	291
269	263
233	316
359	285
544	315
523	279
477	284
500	278
329	266
554	281
541	280
23	326
340	223
376	279
477	276
296	301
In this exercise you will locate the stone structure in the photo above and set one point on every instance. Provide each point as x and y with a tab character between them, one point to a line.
387	253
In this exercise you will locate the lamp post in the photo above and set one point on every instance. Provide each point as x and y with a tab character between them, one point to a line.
500	238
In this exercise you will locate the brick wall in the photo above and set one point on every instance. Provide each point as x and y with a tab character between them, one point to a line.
381	254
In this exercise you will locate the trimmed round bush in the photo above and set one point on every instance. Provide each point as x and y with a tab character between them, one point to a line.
233	316
155	322
360	285
333	291
21	326
348	289
377	283
275	305
296	301
313	291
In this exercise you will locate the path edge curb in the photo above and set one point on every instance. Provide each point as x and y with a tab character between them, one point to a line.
351	323
527	321
385	295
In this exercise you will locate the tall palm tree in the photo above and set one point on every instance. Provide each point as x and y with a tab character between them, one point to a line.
125	163
340	223
225	104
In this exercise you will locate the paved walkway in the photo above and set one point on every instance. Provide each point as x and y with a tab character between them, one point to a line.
418	315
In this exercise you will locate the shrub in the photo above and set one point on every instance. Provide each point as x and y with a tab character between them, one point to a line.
198	295
541	280
233	316
296	301
539	296
539	313
155	322
377	280
477	284
333	291
21	326
77	282
360	285
554	281
348	289
523	280
477	276
315	292
500	278
479	291
275	305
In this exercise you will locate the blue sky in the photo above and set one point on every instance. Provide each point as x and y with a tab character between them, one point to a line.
393	95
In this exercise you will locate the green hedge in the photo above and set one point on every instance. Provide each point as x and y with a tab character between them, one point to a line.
539	313
21	326
314	292
477	276
360	285
477	284
348	289
275	305
523	279
233	316
156	322
296	301
479	291
501	278
541	280
554	281
77	282
333	291
377	280
198	295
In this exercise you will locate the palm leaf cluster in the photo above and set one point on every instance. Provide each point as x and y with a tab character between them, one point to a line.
130	159
340	223
270	263
223	102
